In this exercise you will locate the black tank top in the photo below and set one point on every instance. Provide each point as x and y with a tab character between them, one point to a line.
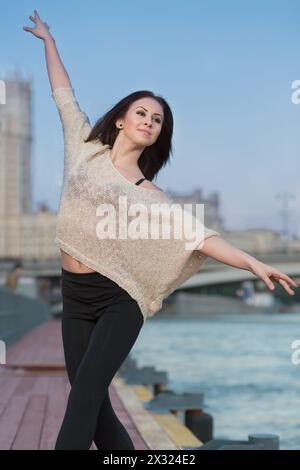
139	181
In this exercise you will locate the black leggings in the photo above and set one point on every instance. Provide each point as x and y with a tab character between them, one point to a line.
100	324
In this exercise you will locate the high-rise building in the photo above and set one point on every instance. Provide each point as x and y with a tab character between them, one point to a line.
16	148
23	233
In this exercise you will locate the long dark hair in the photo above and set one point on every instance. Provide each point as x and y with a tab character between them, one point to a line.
154	157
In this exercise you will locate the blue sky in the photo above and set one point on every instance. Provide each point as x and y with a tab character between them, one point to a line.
226	69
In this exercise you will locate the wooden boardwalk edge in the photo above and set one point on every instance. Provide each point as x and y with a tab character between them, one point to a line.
150	430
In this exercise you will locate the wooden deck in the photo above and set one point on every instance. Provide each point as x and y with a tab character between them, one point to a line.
33	402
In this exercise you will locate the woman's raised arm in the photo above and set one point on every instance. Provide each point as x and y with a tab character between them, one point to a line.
76	125
57	73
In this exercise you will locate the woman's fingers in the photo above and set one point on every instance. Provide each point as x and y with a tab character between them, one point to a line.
27	28
285	281
286	286
290	280
268	282
36	14
269	274
286	278
39	28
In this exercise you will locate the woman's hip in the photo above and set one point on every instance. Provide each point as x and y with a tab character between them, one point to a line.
91	290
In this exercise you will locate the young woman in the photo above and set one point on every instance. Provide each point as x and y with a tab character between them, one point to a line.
110	287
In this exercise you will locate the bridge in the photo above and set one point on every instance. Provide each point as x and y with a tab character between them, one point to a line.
224	274
212	273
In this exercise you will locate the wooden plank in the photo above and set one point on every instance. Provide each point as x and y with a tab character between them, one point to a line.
29	430
7	386
43	344
148	427
11	419
54	413
143	392
177	431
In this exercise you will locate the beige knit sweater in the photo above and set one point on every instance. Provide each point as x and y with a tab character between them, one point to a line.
149	269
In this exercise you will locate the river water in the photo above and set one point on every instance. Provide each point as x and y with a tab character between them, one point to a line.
241	362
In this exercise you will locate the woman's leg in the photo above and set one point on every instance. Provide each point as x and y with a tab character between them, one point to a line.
78	322
76	335
110	432
110	340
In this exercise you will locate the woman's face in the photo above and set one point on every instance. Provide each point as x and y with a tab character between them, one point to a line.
143	121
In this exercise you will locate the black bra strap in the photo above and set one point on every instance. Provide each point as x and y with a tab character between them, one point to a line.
139	181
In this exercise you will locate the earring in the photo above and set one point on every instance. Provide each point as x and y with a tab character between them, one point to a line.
121	126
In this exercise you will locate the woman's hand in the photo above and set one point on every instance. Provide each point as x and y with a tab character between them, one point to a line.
41	30
57	73
266	273
220	250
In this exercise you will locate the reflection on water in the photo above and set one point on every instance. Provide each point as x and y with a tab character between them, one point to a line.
241	362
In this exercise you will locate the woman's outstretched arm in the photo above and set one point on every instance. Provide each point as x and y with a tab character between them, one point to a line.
76	125
57	73
220	250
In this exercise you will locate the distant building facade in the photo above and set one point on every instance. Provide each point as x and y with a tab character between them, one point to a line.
23	234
